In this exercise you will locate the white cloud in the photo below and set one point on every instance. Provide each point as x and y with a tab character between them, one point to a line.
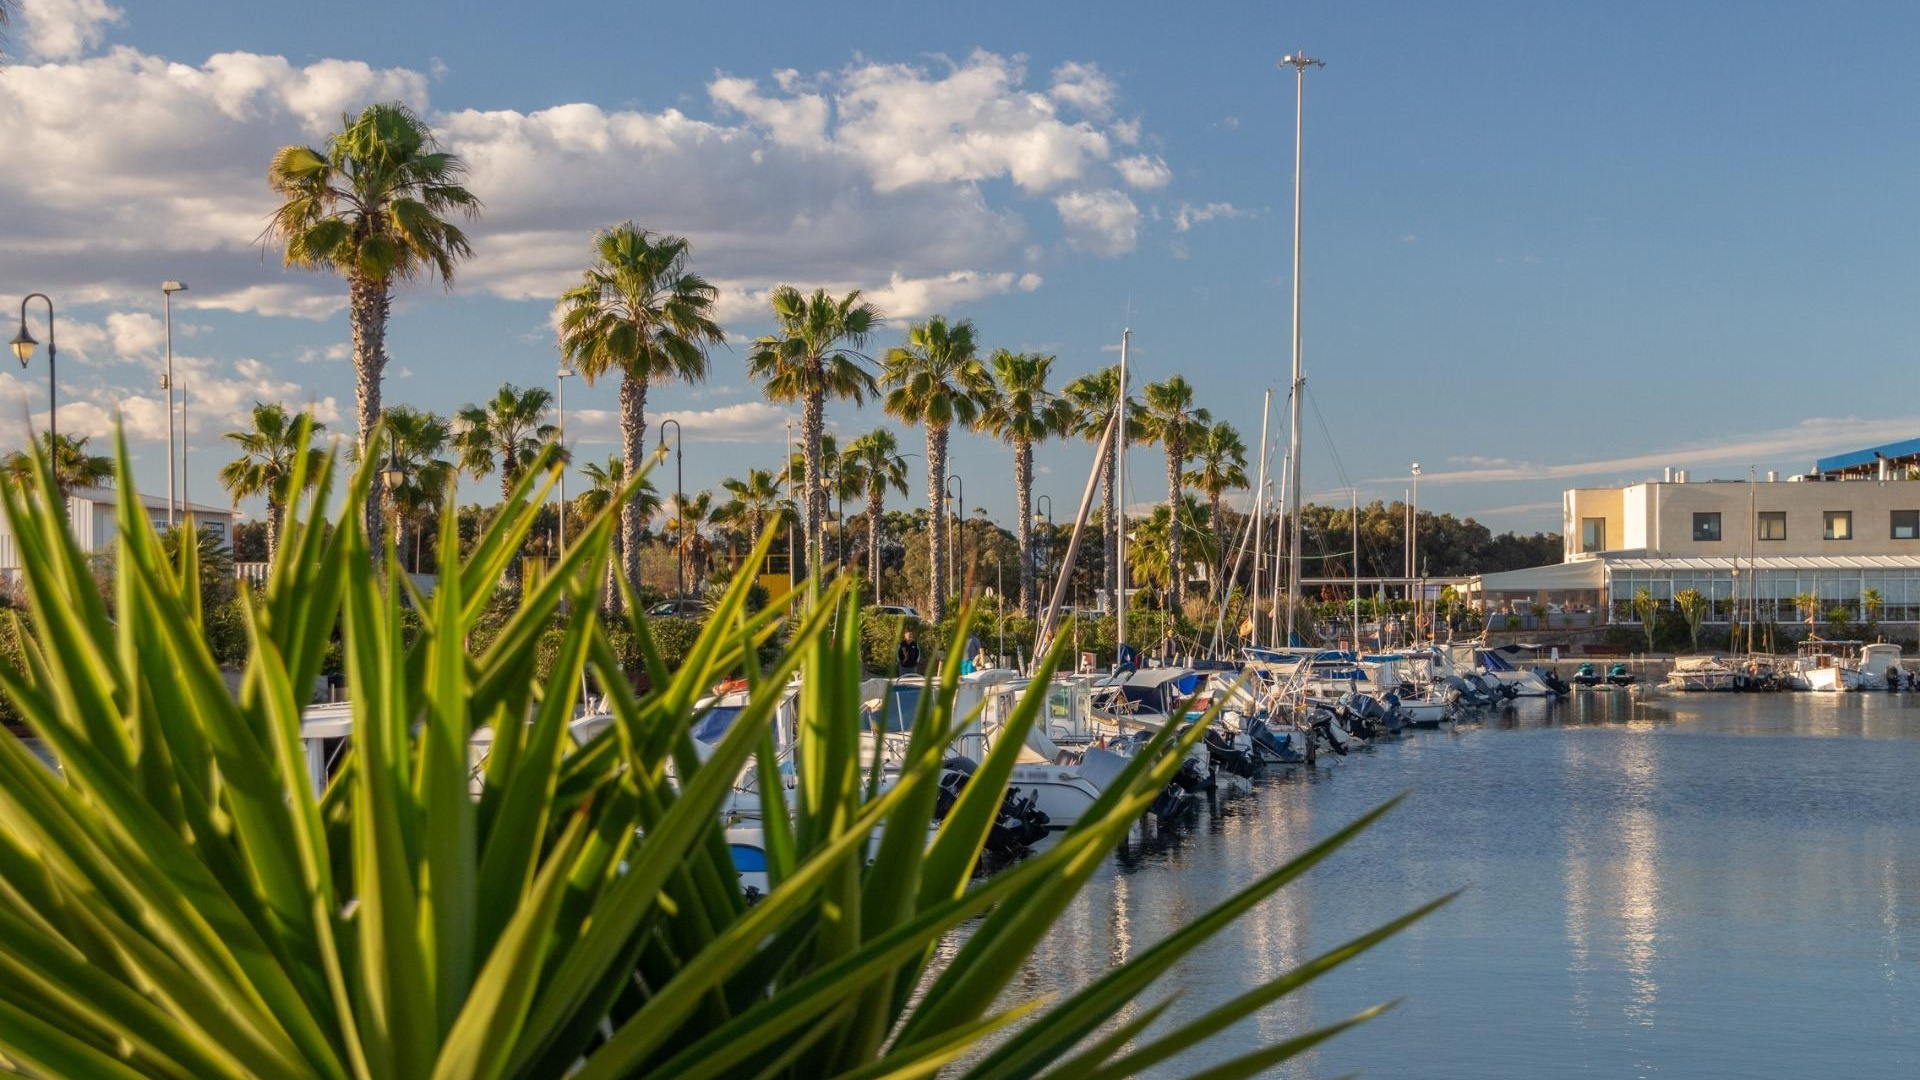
64	29
1104	222
745	422
1143	171
1189	215
908	298
1084	87
216	396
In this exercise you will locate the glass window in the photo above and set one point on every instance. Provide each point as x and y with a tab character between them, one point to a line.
1839	525
1706	526
1906	524
1773	525
1593	534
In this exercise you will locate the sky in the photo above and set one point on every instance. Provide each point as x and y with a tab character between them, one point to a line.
1545	245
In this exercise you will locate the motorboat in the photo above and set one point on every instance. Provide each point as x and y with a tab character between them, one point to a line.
1842	666
1701	674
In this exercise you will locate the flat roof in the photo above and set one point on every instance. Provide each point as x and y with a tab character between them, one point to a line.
1861	458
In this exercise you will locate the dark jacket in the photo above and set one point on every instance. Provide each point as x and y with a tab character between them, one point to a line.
909	656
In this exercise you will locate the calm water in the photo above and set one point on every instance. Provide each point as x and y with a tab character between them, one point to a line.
1706	886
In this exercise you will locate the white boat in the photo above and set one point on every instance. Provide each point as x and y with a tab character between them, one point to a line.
1696	674
1843	666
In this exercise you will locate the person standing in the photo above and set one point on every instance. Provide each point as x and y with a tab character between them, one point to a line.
909	654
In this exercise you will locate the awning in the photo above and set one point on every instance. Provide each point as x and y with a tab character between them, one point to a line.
1773	562
1555	577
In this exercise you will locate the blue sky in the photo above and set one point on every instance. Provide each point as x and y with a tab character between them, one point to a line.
1545	245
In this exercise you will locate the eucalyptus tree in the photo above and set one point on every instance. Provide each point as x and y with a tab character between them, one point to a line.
1219	466
871	464
375	205
270	456
1168	417
815	355
641	313
1094	396
1023	410
936	380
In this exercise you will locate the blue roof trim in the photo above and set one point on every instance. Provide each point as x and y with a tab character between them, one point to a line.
1906	448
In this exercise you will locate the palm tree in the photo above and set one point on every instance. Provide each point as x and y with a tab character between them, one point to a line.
607	480
815	355
1220	466
372	206
1023	410
1167	417
1154	544
1094	397
73	468
640	312
417	441
755	500
936	379
506	433
872	464
269	452
690	515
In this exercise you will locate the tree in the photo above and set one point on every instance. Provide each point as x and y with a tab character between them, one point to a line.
755	500
73	468
1220	466
690	516
815	355
936	380
506	433
1023	410
1693	607
1645	608
1094	397
1153	543
418	439
270	454
1871	605
872	464
641	313
374	206
1168	417
606	481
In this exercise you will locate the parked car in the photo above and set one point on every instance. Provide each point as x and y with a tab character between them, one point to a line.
898	609
686	608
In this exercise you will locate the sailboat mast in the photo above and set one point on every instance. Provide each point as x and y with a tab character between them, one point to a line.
1356	572
1120	512
1299	62
1259	517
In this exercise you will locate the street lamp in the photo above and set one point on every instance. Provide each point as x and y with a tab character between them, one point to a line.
959	508
23	343
167	289
1299	62
560	400
1046	565
679	502
393	476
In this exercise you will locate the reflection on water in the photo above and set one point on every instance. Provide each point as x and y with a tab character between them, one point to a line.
1693	886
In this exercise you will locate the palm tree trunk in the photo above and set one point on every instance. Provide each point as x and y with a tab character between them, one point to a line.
937	523
813	423
874	495
633	449
1174	529
367	304
1023	490
510	581
274	513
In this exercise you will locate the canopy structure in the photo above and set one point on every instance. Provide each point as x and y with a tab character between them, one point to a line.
1897	455
1581	574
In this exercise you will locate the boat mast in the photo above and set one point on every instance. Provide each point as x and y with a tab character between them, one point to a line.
1356	573
1259	518
1120	512
1279	521
1299	62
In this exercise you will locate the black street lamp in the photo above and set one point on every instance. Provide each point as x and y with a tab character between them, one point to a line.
23	343
959	510
1046	564
679	503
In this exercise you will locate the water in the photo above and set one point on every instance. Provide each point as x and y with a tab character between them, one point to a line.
1702	886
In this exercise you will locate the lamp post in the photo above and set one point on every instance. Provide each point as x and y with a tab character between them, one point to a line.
167	289
959	509
679	503
560	400
1299	62
23	343
1046	564
999	588
392	476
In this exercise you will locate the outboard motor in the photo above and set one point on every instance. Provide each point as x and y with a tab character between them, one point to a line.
1224	755
1554	682
1326	727
1191	779
954	774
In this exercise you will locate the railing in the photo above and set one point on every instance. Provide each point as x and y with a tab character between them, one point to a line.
253	573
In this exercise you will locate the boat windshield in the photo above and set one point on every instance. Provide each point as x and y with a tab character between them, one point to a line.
712	727
902	705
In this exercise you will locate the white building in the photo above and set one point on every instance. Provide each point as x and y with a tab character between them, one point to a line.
92	515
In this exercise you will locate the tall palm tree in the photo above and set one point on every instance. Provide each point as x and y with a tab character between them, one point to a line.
374	205
815	355
1168	417
73	468
1220	466
690	515
607	480
1094	397
1024	410
639	312
269	452
418	441
755	500
937	380
831	480
872	464
505	433
1157	547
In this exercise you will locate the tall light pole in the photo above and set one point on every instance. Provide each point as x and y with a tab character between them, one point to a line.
1046	564
167	289
679	504
1299	62
560	399
959	519
23	343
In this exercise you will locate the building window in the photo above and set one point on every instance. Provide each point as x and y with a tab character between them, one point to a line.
1839	525
1906	524
1772	525
1593	534
1706	526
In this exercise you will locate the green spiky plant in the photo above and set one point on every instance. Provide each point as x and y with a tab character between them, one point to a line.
176	901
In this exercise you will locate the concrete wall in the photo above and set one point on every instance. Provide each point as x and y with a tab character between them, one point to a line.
1658	517
1606	503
